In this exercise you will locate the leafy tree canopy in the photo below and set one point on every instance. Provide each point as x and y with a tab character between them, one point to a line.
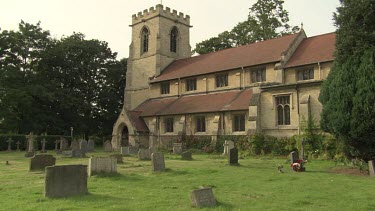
267	19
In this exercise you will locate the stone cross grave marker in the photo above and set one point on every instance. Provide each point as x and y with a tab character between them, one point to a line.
18	145
57	145
83	145
40	162
43	150
124	150
99	165
371	168
90	145
177	148
233	156
157	161
65	181
227	146
186	155
203	197
144	154
30	145
108	146
9	144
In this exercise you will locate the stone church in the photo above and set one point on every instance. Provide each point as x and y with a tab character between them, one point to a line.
269	87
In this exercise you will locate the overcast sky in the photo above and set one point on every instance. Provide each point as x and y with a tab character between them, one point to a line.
109	20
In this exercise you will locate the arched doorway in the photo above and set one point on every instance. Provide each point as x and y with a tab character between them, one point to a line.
125	136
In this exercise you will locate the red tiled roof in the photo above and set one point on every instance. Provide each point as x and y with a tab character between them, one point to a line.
248	55
202	103
320	48
137	122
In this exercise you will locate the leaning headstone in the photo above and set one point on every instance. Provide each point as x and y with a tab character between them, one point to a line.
186	155
65	181
203	197
30	143
9	141
371	168
43	150
102	165
83	146
18	143
124	150
144	154
108	146
75	145
133	150
227	146
157	161
177	148
90	145
40	162
118	158
233	156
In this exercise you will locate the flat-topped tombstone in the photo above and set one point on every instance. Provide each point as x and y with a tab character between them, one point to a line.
294	157
144	154
177	148
124	151
233	156
83	145
157	161
108	146
203	197
227	146
40	162
75	145
65	181
371	168
99	165
186	155
90	145
118	158
133	150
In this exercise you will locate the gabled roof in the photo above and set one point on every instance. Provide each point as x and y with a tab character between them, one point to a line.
312	50
137	122
267	51
202	103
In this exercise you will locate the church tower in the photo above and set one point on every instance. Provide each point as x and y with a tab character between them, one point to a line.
159	36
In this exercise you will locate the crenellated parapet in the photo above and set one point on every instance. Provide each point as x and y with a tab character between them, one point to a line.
160	11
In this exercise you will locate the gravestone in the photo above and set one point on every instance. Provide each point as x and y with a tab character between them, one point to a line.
118	158
75	145
43	150
67	153
203	197
18	145
157	161
108	146
293	157
90	145
227	146
77	153
177	148
186	155
371	168
9	141
102	165
30	145
63	144
83	146
133	150
144	154
124	150
65	181
40	162
302	149
57	145
233	156
152	150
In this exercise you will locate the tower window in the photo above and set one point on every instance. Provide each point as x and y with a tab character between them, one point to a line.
283	110
173	40
144	39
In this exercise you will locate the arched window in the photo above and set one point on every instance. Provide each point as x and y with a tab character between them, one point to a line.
173	40
144	39
283	110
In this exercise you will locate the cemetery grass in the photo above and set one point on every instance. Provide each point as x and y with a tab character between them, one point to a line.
253	185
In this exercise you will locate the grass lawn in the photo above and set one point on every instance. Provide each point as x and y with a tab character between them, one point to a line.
253	185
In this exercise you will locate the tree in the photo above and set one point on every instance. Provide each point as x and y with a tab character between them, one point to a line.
348	94
267	19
